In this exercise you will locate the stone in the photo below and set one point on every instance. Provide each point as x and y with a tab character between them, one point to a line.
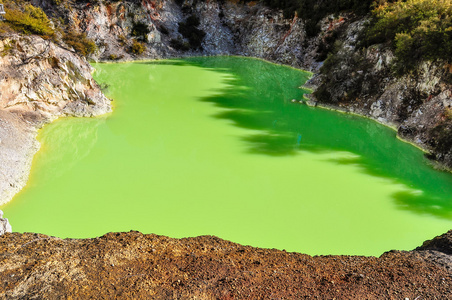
4	224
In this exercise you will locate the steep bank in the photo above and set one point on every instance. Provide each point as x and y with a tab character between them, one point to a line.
361	80
134	265
39	82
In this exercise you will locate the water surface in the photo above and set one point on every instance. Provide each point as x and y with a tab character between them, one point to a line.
215	146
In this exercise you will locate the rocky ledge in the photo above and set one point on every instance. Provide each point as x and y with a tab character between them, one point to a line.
137	266
39	82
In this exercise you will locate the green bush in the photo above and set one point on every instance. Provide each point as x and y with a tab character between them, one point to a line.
418	30
30	20
137	47
80	43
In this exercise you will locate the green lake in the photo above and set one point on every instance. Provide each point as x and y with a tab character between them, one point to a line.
214	146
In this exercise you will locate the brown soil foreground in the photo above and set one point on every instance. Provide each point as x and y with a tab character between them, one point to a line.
137	266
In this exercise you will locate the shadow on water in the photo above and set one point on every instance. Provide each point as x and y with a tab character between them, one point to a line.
259	98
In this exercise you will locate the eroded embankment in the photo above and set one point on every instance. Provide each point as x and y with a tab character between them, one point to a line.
39	82
137	266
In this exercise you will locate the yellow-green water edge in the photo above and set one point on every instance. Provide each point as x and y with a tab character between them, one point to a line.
215	146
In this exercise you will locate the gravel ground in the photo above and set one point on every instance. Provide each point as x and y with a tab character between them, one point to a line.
137	266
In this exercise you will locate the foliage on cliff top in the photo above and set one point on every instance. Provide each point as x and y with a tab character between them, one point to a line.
418	30
23	17
27	19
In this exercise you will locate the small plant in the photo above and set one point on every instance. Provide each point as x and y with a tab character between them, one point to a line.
122	40
137	47
448	114
80	43
32	20
7	48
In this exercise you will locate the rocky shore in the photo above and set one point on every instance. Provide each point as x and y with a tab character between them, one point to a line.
137	266
39	82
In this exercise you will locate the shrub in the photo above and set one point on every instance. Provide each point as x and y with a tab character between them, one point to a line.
137	47
7	48
32	20
418	30
312	11
122	40
80	43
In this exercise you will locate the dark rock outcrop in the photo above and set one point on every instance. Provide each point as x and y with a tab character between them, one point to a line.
442	243
417	104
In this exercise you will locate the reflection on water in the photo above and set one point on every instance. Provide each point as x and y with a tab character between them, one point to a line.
285	128
216	146
73	137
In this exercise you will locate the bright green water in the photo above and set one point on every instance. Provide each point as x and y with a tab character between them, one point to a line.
214	146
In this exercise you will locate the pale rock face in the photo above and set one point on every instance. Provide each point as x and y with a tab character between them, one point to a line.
39	82
231	29
4	224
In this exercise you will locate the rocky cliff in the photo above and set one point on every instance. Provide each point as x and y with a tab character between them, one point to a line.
361	80
39	82
230	28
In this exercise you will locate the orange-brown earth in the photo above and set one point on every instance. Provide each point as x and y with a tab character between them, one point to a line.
137	266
